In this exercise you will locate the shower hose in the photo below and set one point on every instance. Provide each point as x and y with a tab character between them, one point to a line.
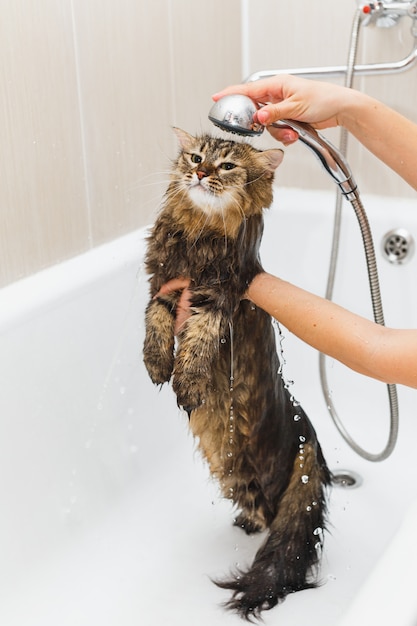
373	284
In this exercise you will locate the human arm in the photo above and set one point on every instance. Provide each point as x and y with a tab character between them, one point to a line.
386	354
387	134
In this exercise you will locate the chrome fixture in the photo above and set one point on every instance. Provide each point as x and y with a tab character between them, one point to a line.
386	14
372	13
346	479
398	246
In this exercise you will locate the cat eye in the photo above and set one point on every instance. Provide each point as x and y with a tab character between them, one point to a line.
196	158
227	166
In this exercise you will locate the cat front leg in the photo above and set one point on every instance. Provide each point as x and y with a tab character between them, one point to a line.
158	347
198	346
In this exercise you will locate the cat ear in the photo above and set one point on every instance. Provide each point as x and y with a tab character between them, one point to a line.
186	141
270	159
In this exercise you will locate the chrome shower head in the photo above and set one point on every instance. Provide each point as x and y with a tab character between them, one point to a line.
235	113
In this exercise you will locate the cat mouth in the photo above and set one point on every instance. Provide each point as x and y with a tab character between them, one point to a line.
199	186
205	198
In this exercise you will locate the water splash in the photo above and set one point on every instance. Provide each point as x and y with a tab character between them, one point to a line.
231	408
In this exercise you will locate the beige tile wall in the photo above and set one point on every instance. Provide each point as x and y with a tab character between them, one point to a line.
304	34
88	94
90	88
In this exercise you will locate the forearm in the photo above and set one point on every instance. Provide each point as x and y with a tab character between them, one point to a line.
387	134
362	345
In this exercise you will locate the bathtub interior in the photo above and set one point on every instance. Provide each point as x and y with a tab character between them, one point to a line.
109	515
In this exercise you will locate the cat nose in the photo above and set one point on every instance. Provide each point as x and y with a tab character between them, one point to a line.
202	173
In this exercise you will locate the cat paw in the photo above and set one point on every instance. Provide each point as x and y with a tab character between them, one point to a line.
250	526
191	390
159	369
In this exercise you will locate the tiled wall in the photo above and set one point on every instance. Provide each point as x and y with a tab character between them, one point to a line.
90	88
89	91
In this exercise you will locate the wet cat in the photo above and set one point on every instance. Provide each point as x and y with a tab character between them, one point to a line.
258	442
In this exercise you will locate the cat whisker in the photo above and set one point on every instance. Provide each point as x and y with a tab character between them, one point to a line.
160	178
175	191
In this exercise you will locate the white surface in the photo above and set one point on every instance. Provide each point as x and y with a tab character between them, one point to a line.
108	516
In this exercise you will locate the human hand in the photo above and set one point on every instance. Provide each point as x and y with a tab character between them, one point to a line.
290	97
183	306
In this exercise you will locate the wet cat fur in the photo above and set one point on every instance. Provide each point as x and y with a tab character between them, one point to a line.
258	442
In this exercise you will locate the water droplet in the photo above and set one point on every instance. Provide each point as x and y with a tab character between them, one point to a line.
301	438
230	454
304	479
309	508
297	418
318	531
314	503
222	340
296	402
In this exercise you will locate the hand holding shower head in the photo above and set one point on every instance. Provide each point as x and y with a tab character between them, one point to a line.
235	113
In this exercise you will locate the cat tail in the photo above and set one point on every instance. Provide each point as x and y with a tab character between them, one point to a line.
288	561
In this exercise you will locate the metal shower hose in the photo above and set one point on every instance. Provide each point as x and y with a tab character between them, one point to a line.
373	284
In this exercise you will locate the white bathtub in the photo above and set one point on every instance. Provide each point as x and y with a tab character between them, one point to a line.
108	517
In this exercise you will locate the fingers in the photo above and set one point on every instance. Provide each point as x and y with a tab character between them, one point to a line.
183	311
260	90
175	284
286	136
183	306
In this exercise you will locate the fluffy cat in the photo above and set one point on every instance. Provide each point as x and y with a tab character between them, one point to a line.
258	442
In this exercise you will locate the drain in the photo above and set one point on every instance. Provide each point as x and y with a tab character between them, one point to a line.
346	479
398	246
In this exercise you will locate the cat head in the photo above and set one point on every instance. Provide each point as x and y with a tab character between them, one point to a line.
224	179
